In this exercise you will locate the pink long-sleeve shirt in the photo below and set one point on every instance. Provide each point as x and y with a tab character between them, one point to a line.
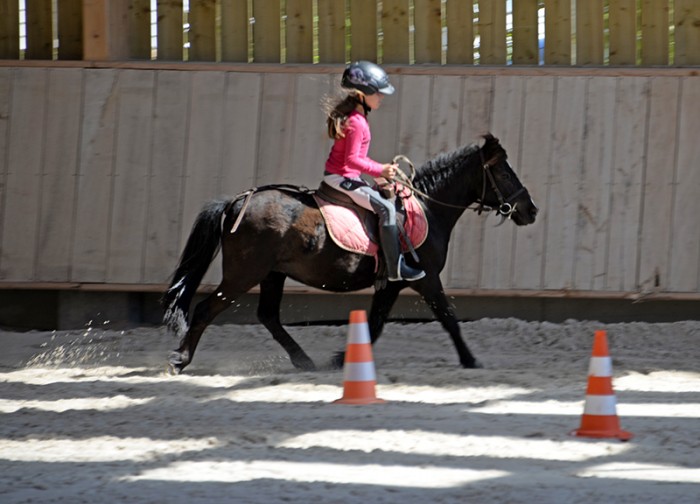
348	156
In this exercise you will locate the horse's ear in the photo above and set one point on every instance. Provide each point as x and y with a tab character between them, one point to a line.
490	139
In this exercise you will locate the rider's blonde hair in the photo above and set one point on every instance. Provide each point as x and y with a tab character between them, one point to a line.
337	112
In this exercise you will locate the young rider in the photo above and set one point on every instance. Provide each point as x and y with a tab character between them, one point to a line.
367	84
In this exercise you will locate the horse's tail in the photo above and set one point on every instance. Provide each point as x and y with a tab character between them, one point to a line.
201	248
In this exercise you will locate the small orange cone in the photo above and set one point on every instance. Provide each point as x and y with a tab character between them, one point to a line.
599	419
359	378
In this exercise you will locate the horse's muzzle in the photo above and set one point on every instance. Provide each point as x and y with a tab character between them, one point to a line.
525	212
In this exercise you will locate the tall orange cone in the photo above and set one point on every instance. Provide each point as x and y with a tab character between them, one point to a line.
599	419
359	378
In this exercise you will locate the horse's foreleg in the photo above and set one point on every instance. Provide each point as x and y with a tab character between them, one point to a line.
271	290
382	303
433	294
204	314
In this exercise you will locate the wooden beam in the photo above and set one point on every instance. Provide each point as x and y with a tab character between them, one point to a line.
39	30
634	296
299	31
105	25
461	70
428	33
623	32
557	29
140	29
363	30
202	30
655	32
460	32
9	29
687	23
331	31
492	31
525	35
266	32
70	29
589	32
234	30
170	30
395	20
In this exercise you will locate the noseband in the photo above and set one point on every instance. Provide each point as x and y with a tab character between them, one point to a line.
505	207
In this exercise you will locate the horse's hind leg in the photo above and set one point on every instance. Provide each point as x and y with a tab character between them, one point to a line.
204	314
271	289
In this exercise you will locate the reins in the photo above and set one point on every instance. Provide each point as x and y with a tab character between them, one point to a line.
505	208
408	182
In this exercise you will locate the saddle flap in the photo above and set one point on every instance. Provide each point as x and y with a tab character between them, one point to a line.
346	228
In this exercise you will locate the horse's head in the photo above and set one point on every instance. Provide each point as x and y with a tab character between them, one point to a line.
502	190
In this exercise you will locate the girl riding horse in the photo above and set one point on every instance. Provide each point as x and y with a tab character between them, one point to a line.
367	85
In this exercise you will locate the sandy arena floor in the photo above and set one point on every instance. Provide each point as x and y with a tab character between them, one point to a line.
90	416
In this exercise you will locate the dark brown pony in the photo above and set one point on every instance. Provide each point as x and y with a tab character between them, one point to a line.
281	234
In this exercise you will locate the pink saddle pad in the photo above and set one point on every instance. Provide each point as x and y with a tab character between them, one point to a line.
347	231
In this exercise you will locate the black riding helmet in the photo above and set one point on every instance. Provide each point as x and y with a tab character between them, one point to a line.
366	77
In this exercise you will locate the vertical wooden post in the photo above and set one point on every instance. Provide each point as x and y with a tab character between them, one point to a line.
363	30
492	31
234	30
557	29
623	32
396	46
9	29
266	31
331	31
428	34
140	29
39	29
687	23
105	30
300	41
655	32
202	35
525	37
589	32
170	30
460	32
70	29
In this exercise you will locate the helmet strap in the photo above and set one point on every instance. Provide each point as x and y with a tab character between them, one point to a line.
365	107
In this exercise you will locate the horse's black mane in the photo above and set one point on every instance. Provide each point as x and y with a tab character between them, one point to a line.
439	171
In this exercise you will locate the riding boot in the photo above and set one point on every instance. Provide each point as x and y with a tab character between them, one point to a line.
396	266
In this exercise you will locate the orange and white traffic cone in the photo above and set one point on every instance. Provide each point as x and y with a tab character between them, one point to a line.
599	419
359	378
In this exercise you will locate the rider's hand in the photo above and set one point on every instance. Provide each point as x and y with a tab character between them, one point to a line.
389	171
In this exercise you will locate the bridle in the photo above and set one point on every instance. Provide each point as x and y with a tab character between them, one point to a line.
505	208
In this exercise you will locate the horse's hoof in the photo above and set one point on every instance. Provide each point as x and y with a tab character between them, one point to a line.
304	364
338	360
475	364
176	363
172	370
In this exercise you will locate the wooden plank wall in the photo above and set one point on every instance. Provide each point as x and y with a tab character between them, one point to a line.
333	31
102	171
